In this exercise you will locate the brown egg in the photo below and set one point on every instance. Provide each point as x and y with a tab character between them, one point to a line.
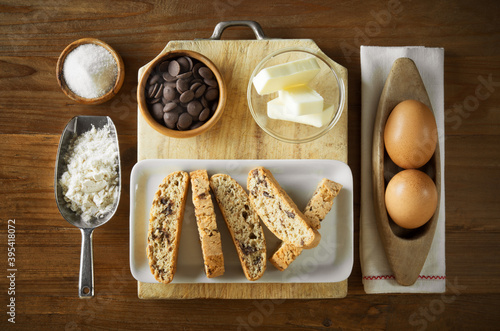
410	134
411	198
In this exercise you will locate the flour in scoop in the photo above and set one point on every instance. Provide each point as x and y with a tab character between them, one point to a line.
90	71
90	185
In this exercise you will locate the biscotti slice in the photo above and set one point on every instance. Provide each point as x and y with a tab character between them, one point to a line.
211	246
277	210
165	224
321	202
243	224
315	211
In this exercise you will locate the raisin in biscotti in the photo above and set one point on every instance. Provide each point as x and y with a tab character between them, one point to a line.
165	224
211	246
243	224
316	210
277	210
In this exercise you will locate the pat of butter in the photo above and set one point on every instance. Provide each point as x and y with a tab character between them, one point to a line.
285	75
276	110
301	100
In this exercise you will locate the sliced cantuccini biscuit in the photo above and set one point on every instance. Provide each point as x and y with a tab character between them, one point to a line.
277	210
165	224
211	246
243	224
316	210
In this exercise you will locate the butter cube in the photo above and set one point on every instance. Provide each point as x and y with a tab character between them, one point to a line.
285	75
301	100
276	110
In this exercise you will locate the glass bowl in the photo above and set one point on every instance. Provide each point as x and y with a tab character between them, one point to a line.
327	83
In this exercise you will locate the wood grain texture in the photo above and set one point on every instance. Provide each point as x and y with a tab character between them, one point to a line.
237	136
34	111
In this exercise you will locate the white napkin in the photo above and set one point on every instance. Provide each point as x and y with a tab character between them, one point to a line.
376	63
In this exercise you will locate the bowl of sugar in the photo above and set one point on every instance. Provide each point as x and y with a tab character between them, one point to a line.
89	71
296	94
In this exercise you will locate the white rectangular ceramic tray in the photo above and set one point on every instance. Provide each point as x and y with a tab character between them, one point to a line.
330	261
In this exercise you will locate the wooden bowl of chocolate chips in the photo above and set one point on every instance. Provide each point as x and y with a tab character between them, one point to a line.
181	94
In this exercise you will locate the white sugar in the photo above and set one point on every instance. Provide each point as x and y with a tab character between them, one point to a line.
90	71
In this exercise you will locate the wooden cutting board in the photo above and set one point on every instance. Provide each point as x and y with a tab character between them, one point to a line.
237	136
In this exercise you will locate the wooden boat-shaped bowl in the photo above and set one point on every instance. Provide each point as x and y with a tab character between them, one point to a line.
406	250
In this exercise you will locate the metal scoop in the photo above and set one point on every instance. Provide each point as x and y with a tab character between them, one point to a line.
77	126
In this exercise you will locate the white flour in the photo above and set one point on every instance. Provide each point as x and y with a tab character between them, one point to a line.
90	184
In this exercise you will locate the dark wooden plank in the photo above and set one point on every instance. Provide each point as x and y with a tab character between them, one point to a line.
33	111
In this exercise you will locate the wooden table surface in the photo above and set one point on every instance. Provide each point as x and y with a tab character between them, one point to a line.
34	111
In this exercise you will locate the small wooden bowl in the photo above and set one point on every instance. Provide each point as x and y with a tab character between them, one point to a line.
141	95
406	250
95	101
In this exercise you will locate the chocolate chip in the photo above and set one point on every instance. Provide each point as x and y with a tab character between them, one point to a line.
185	121
174	68
214	108
212	94
154	79
168	210
257	260
267	195
152	90
200	91
182	85
196	68
171	84
168	77
163	66
244	214
170	119
186	96
169	93
204	102
247	249
157	111
153	101
210	82
206	73
194	108
159	91
194	87
196	125
169	107
185	75
188	59
183	63
205	113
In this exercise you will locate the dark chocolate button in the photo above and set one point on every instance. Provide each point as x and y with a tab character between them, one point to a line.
206	73
157	111
170	119
174	68
169	93
186	96
194	108
185	121
169	107
205	113
200	91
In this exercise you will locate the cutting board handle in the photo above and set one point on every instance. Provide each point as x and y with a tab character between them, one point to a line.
221	26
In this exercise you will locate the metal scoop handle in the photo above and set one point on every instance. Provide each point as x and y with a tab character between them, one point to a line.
86	282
